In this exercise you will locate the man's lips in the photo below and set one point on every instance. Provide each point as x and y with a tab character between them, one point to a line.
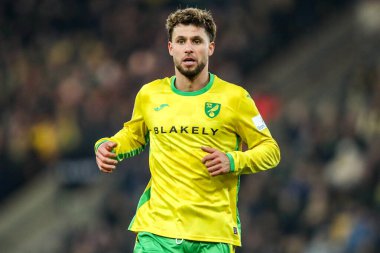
188	61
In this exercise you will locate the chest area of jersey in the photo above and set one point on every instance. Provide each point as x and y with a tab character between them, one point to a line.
187	115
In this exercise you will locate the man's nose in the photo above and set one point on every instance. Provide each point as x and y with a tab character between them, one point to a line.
188	47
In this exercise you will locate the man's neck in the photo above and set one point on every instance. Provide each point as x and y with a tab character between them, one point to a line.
183	83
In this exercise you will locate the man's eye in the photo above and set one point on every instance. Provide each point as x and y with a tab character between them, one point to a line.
180	41
197	42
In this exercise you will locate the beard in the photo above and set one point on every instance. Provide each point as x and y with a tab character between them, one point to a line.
191	74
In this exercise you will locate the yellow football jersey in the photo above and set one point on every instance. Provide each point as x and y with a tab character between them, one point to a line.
181	199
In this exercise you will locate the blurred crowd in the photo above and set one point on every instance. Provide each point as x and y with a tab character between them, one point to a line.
69	72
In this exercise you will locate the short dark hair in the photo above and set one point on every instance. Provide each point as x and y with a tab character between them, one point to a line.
191	16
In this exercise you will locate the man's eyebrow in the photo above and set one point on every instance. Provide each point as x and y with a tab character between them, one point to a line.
196	37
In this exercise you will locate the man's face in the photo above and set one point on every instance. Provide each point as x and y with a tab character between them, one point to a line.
190	48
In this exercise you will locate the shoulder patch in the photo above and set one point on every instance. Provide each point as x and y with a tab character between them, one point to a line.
259	122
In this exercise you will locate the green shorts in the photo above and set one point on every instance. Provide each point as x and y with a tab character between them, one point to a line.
151	243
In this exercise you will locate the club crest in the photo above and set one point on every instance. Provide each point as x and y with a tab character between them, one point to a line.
212	109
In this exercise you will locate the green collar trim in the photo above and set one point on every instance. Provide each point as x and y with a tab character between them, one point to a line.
192	93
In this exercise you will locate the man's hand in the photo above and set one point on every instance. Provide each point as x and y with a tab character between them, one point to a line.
217	162
105	159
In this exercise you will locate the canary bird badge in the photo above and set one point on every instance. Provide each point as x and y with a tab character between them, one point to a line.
212	109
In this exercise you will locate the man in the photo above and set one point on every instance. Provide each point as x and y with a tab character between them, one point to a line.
195	124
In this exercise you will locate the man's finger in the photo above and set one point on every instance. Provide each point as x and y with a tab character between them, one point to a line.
106	159
208	149
208	157
217	173
105	171
106	153
110	145
221	170
105	167
214	168
107	146
109	161
212	162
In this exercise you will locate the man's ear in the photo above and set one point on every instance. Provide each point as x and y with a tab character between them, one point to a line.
170	48
211	48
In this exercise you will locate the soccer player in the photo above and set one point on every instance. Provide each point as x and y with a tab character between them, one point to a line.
195	123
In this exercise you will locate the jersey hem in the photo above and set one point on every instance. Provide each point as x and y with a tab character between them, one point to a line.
188	237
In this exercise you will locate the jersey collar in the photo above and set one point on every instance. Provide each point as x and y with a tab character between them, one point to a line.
191	93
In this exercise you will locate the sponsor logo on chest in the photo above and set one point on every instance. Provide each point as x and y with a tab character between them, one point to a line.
185	130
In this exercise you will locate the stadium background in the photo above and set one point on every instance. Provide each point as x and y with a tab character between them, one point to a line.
69	71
